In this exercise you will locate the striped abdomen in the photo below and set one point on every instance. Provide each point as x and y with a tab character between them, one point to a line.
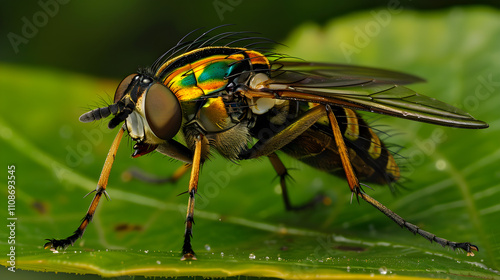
370	159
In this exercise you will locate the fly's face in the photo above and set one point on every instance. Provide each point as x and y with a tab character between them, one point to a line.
156	115
151	112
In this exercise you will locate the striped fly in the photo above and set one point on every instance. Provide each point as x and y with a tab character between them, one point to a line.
245	102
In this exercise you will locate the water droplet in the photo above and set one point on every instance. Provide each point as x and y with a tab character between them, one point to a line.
207	247
441	164
158	262
251	256
383	270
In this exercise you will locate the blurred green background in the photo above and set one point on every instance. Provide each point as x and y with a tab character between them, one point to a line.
61	58
110	38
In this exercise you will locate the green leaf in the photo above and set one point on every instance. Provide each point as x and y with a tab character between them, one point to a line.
241	228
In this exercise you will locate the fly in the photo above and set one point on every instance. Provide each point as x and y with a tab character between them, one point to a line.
219	98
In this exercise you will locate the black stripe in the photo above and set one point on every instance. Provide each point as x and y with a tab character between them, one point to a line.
199	54
361	145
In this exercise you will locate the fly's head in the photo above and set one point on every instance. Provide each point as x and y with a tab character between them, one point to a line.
151	112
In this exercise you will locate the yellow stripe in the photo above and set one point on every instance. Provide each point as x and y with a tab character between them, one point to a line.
186	94
375	146
352	130
392	167
257	58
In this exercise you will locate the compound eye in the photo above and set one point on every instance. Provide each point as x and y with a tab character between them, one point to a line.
163	111
122	87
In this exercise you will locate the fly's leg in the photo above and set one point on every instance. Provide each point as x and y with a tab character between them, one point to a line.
141	175
353	182
187	250
414	229
282	171
55	244
267	147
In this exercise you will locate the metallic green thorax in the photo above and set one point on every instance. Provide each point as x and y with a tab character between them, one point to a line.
208	72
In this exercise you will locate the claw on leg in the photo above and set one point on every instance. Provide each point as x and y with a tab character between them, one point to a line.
55	244
187	250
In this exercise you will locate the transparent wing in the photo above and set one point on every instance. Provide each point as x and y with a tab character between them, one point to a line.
347	72
362	88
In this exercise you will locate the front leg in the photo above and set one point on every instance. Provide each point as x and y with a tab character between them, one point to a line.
55	244
187	250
